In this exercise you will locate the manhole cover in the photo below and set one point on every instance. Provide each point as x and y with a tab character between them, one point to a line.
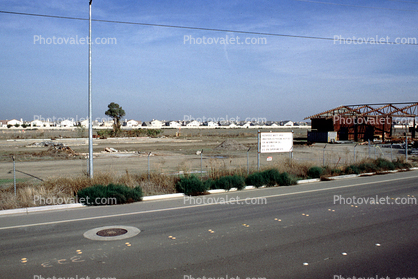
111	232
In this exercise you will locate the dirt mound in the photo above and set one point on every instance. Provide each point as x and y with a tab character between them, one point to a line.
231	144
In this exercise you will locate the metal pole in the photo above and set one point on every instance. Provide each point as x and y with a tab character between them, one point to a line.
258	150
90	105
406	148
375	152
323	156
14	174
369	147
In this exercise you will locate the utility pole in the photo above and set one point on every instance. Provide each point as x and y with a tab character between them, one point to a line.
90	105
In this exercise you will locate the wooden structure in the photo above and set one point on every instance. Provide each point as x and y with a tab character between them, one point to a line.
364	122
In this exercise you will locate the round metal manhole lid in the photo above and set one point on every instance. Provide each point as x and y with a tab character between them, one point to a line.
110	233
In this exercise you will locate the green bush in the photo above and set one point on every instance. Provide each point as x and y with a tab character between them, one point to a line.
367	167
315	172
384	164
153	132
210	184
284	179
230	181
271	177
256	179
191	186
110	194
336	172
352	169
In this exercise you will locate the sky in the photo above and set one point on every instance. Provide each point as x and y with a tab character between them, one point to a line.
164	73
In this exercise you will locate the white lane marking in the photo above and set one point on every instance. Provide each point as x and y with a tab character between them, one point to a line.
192	206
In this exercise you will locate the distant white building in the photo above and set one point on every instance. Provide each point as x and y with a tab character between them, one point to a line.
193	124
131	123
287	123
212	124
246	124
66	123
156	124
13	122
174	124
36	123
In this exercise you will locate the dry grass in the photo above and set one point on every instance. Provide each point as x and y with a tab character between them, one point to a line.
29	194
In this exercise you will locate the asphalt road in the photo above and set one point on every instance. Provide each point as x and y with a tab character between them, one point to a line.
293	232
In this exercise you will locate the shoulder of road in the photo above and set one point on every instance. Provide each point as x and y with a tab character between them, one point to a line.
28	210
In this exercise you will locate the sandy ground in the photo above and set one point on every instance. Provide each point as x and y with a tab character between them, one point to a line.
169	154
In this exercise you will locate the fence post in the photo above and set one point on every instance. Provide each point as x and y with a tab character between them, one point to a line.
258	150
248	161
149	154
406	148
355	158
323	156
201	165
14	174
391	153
368	145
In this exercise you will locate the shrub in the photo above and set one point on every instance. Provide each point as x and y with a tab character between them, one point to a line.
210	184
401	164
352	169
315	172
284	179
336	172
384	164
271	177
103	134
256	179
230	181
191	186
367	167
112	194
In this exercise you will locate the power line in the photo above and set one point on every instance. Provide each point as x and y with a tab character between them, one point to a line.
348	5
207	29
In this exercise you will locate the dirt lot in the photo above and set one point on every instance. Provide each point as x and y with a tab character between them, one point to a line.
169	154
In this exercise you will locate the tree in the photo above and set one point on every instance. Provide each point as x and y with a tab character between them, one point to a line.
116	112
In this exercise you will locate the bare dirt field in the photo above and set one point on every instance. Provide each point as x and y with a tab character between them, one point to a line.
169	153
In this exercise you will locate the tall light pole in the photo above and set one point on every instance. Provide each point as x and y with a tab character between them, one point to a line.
90	105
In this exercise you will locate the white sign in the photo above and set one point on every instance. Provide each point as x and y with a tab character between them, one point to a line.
276	142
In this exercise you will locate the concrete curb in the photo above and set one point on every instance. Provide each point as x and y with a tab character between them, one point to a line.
40	208
306	181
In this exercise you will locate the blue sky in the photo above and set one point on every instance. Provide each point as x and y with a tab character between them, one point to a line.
153	74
